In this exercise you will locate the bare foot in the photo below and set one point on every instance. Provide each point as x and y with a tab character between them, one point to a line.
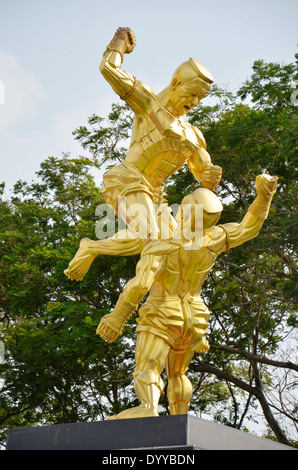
141	411
81	262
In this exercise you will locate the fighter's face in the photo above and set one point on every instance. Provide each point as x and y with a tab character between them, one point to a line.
184	99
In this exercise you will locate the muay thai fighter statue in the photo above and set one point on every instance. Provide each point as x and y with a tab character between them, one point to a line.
161	143
173	320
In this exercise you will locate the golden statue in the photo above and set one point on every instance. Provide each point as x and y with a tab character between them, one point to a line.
161	143
173	320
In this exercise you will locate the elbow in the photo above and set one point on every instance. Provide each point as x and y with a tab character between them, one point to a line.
103	65
254	235
250	236
111	60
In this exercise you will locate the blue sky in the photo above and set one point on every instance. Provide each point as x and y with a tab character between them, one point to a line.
50	52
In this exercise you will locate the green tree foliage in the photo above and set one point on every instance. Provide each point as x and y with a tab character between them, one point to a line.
57	370
105	138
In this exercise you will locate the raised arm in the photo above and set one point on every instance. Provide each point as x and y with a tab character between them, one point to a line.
131	90
249	228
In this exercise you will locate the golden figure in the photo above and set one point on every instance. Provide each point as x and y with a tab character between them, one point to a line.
173	320
161	143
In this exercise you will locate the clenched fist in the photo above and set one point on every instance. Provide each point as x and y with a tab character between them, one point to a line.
266	185
211	176
124	41
109	328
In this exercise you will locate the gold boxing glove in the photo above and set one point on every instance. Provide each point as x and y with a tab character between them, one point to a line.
112	325
266	187
211	176
123	41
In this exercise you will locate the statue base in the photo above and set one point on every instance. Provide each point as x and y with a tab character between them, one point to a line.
163	433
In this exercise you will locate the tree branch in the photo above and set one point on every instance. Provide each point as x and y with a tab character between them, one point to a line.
200	366
254	358
256	391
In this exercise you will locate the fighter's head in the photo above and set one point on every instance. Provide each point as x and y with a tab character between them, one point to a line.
190	83
212	208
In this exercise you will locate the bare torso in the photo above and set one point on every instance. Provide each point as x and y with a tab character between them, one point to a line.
161	144
186	270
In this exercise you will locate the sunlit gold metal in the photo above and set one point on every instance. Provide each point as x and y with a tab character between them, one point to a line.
173	320
161	143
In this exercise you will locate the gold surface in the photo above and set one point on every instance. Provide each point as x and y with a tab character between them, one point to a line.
161	141
174	319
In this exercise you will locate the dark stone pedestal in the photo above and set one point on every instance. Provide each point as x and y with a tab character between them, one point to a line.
163	433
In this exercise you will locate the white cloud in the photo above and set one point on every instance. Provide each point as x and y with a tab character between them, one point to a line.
22	91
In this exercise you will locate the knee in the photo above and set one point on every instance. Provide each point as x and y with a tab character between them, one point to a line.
149	377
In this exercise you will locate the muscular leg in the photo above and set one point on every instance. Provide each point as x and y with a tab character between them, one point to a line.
179	391
138	212
151	354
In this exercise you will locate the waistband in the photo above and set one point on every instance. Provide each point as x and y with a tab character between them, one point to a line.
183	296
134	170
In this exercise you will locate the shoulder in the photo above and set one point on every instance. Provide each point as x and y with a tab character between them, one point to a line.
140	97
144	88
219	239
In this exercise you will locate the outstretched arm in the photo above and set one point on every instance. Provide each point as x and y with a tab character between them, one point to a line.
257	213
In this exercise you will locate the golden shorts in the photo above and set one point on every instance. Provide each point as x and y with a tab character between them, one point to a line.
181	322
125	178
